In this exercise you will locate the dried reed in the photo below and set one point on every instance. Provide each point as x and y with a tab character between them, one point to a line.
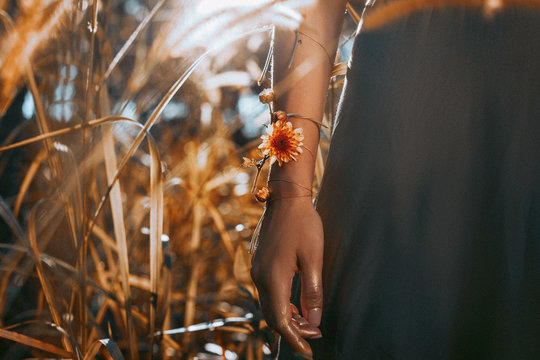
129	234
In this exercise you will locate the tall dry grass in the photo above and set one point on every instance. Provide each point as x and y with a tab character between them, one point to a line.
126	212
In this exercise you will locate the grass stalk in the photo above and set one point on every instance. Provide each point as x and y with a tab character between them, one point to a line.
156	231
127	45
28	177
120	235
83	249
45	285
191	293
35	343
220	226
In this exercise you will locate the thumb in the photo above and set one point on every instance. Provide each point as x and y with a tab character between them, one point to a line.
312	293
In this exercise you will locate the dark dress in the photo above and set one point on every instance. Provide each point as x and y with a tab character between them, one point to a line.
431	196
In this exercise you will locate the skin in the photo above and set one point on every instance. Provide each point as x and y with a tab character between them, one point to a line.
291	237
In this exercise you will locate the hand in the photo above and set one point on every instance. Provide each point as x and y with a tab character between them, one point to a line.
290	241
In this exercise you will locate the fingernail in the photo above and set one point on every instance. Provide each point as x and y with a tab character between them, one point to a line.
300	320
318	336
314	316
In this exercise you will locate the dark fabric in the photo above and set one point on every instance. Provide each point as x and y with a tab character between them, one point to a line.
431	196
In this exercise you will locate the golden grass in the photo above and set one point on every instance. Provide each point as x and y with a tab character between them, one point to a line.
129	234
38	21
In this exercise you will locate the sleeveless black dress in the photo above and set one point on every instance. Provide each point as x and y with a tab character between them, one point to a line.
431	194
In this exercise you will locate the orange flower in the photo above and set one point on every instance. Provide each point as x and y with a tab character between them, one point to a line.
262	195
282	142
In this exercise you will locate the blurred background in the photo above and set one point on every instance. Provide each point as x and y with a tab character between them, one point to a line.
126	213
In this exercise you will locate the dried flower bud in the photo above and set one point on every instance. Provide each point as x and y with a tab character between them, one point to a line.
279	115
262	195
248	162
266	96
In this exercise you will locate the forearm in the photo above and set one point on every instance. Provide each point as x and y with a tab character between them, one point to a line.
301	88
291	233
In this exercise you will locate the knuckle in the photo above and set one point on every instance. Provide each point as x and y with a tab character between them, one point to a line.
281	327
313	294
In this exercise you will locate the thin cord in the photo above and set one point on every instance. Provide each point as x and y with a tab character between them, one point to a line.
319	123
311	152
290	182
299	41
318	43
288	197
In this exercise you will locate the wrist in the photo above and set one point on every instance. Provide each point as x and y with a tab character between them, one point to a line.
300	172
289	203
285	188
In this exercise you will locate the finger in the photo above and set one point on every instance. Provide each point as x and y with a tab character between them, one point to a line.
305	329
275	303
280	318
312	291
295	337
302	324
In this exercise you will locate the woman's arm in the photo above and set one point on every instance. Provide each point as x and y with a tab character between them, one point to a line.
291	234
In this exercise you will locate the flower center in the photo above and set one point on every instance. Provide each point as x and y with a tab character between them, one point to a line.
281	143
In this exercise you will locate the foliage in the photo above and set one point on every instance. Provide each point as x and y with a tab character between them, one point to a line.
127	213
